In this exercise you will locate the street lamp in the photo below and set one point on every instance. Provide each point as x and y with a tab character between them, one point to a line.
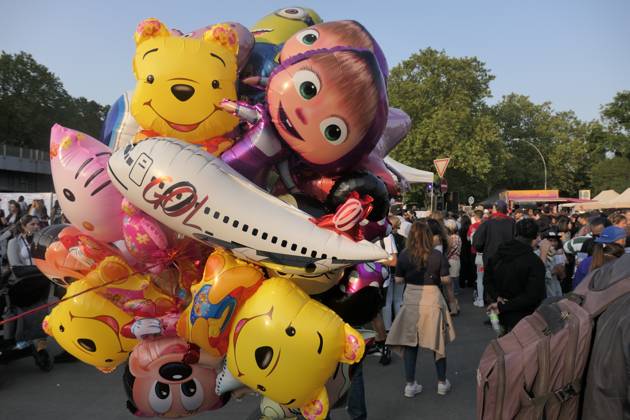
541	156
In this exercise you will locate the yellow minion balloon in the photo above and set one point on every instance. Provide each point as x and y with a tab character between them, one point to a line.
277	27
286	345
182	80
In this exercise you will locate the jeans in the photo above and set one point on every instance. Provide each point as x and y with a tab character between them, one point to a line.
480	282
394	297
356	395
411	355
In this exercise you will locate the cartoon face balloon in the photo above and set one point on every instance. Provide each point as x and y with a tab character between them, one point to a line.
181	81
312	101
78	164
93	325
341	33
277	27
65	254
285	346
90	328
159	383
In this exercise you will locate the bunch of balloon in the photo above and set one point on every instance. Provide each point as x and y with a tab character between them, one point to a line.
236	183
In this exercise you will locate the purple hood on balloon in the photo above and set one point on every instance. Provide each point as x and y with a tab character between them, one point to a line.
374	131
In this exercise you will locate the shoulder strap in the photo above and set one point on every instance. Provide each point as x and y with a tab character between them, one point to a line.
603	286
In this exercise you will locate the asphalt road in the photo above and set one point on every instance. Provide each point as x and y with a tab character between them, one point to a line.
75	391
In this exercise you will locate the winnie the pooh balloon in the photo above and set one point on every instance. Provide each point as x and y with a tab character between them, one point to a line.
95	326
181	81
286	345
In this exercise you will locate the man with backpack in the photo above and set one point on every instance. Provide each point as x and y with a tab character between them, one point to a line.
514	277
607	393
538	370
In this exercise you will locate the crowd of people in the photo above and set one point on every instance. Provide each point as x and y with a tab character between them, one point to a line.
512	260
23	284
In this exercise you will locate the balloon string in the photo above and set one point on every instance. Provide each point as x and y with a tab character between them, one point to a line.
172	257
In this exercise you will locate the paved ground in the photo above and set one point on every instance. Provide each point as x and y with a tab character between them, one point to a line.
76	391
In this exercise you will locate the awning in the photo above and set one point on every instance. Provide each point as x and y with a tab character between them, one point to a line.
412	175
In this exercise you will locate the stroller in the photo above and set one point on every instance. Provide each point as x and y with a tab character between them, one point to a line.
19	338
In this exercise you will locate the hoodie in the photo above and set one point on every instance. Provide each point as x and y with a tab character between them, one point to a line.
517	275
492	233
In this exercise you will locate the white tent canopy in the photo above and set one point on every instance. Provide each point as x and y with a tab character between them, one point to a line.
622	201
597	202
412	175
606	195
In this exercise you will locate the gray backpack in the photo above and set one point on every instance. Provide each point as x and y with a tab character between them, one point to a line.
537	370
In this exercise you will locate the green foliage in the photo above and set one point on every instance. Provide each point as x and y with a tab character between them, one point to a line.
617	113
445	98
32	99
491	147
561	137
611	174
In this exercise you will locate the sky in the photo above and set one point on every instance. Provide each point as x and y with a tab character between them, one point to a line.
573	53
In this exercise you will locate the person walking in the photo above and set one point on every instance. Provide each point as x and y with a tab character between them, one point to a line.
514	278
477	219
467	274
453	257
498	229
424	320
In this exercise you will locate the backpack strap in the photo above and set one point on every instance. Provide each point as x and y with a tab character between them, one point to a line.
562	394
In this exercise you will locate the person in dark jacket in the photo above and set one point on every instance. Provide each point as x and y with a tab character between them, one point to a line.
499	228
515	276
607	393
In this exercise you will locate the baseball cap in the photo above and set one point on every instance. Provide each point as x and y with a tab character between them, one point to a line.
610	235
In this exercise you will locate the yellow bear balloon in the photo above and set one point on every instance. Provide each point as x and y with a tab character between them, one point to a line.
286	345
182	80
94	326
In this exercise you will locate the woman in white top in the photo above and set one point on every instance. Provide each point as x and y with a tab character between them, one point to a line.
19	249
30	287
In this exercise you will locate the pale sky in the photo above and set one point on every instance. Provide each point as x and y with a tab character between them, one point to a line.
573	53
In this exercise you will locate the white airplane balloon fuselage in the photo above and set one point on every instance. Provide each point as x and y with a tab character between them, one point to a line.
199	196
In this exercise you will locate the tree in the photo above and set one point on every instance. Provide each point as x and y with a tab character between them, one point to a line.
32	99
445	98
615	136
617	113
611	174
561	137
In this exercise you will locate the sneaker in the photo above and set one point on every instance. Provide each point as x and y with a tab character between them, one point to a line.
386	357
444	387
411	390
478	303
377	349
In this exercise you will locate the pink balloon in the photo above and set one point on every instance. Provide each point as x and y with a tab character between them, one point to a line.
88	199
144	237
